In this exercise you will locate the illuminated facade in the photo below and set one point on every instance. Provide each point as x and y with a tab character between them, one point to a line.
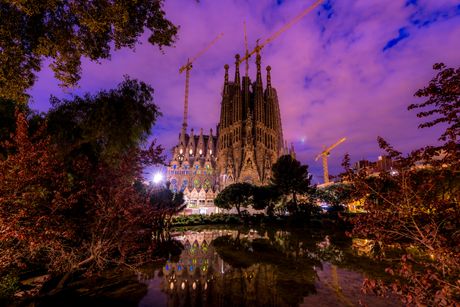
249	139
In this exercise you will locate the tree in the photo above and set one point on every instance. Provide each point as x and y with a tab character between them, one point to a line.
64	223
443	103
291	178
8	109
337	195
65	31
266	197
238	195
70	206
106	125
416	210
164	204
35	198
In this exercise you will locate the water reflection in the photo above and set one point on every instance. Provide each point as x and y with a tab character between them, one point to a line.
257	268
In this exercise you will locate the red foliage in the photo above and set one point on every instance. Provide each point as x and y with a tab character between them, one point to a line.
35	195
68	221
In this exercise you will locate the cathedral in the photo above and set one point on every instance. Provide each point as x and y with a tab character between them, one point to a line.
247	141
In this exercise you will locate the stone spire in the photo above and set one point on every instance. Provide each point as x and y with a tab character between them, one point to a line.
259	73
237	70
226	80
210	146
269	77
200	148
190	151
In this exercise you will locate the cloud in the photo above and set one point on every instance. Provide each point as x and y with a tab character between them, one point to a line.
348	69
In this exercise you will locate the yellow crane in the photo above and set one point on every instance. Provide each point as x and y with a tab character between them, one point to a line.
187	67
246	51
324	154
283	29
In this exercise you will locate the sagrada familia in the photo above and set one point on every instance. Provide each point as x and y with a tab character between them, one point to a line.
247	141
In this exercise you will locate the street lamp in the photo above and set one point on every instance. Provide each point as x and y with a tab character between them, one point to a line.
157	178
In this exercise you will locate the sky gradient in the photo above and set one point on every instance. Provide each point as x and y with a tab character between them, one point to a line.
350	68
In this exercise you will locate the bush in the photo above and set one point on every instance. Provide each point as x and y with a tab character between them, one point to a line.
9	284
198	219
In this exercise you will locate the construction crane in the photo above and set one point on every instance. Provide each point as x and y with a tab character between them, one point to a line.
187	67
286	27
246	51
324	154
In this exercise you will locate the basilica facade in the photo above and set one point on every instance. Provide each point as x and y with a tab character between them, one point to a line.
248	140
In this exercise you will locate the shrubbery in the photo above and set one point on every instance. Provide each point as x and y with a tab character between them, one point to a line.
199	219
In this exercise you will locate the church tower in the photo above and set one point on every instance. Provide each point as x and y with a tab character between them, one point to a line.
250	137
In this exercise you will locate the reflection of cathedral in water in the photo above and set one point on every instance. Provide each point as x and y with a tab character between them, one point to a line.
202	278
251	268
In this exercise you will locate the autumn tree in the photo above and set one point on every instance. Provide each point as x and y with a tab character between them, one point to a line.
68	205
67	31
237	195
8	109
35	198
416	209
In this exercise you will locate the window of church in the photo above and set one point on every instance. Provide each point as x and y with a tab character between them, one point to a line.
207	184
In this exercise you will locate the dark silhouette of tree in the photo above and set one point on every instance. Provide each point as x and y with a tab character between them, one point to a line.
66	31
266	197
164	204
292	179
238	195
443	102
105	125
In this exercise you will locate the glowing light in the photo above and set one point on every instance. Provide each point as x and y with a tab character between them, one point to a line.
157	178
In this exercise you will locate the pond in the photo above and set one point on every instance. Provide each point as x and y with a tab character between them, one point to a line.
247	267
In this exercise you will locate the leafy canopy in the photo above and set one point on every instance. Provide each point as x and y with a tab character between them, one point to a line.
443	101
65	31
104	125
290	176
236	195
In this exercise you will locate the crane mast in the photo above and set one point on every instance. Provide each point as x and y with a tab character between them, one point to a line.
324	154
187	67
246	53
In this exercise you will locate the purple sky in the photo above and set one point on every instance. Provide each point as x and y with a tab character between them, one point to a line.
349	68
